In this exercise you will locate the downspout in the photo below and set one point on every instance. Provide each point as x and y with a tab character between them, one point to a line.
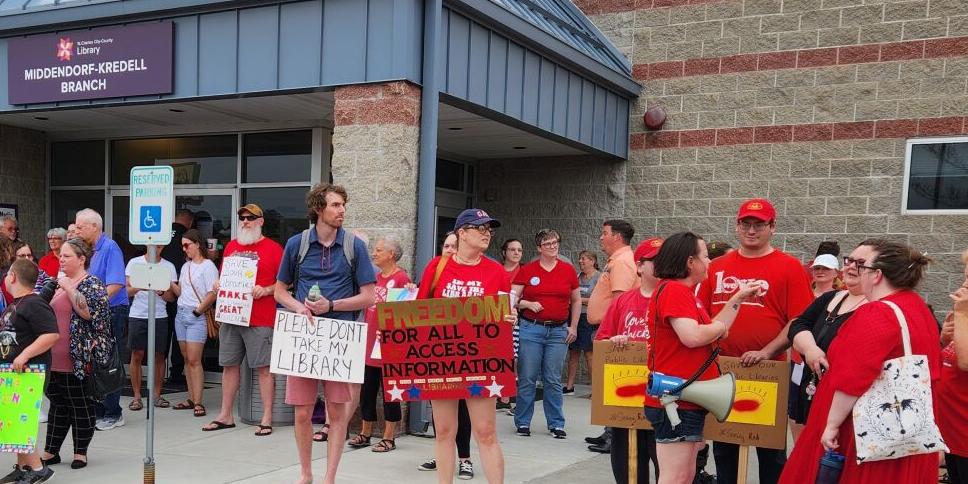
429	114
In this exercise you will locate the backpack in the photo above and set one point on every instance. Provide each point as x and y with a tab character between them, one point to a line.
349	251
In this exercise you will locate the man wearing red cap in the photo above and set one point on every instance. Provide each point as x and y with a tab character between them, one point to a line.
760	329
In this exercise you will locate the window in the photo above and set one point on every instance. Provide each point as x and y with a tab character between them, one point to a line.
195	159
936	176
450	175
277	157
66	203
77	163
284	210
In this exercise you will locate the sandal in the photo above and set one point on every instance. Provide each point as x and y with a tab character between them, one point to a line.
186	405
136	405
199	410
384	445
360	441
322	434
216	425
160	402
264	430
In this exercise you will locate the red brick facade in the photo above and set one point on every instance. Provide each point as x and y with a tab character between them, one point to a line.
390	103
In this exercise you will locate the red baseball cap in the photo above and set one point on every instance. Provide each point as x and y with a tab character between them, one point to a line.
758	208
648	249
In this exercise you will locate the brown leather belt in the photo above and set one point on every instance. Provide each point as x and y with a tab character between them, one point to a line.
544	323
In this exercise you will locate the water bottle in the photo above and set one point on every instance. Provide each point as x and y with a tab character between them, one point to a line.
831	464
314	293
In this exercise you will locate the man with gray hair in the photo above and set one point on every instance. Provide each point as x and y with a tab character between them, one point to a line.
107	264
8	227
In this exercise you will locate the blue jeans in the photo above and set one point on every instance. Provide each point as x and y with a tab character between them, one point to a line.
543	349
111	407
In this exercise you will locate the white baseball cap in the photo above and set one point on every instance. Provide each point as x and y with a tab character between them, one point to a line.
826	260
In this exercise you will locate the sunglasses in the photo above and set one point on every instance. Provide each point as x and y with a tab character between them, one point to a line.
249	218
187	245
482	229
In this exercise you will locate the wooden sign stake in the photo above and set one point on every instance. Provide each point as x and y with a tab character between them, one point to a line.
744	461
633	456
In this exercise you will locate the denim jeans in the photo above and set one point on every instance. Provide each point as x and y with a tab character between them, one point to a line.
111	407
543	350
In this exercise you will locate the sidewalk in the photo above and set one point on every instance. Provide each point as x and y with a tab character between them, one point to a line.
185	454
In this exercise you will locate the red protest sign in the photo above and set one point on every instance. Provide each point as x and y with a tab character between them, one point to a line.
443	349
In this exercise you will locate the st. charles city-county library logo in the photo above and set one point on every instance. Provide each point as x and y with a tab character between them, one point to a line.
64	48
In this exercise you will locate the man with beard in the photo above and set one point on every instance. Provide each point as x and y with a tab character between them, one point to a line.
346	286
253	342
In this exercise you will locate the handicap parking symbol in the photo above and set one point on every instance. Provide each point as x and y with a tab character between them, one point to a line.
150	217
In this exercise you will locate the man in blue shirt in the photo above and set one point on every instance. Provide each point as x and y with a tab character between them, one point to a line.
107	264
346	287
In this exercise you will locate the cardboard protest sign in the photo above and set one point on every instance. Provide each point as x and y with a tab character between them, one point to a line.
619	377
235	284
322	349
394	294
440	349
759	414
20	396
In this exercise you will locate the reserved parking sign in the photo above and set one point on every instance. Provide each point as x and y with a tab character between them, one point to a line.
152	205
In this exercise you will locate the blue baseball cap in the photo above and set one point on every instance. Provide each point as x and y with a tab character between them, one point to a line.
475	216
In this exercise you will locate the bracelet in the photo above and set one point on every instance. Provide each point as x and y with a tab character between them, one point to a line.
329	306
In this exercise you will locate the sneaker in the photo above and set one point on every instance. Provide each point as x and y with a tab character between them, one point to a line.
511	410
503	405
524	431
43	416
465	470
600	440
14	476
108	423
430	465
33	477
568	391
559	433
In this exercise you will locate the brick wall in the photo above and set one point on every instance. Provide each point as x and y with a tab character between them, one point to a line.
23	181
806	102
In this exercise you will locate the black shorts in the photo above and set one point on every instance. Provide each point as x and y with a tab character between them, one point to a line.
586	334
138	334
689	430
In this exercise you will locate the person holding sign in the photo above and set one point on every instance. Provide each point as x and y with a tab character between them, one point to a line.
547	292
468	273
681	338
344	287
889	272
28	329
386	253
253	342
624	322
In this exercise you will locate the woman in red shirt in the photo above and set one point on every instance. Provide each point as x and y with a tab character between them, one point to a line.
681	337
547	292
50	262
468	273
952	392
888	271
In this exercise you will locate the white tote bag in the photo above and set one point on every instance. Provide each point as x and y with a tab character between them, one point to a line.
894	417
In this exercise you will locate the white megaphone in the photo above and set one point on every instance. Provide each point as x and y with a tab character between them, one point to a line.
715	395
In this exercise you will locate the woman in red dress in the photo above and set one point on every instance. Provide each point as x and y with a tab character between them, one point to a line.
888	271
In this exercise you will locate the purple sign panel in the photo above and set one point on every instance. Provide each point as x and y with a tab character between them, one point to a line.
131	60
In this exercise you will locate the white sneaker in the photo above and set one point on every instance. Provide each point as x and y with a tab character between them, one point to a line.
465	470
43	416
108	423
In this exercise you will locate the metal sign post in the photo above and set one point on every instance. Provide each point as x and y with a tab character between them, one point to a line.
152	203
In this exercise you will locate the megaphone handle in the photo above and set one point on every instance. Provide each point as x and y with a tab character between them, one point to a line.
672	411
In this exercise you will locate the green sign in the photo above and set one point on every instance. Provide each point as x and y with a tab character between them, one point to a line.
21	394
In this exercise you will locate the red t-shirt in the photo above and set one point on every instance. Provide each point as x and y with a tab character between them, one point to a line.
268	253
669	356
50	264
457	280
626	315
396	280
761	318
513	272
550	288
952	397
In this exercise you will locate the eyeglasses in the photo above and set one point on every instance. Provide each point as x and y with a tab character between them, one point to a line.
483	229
858	262
25	256
758	226
250	218
551	244
54	238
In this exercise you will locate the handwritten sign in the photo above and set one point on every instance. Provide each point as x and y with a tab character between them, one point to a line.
322	349
234	303
759	415
20	396
619	377
442	349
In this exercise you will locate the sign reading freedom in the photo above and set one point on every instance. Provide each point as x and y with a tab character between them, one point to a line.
444	349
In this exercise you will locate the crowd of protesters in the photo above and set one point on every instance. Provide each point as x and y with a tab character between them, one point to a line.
838	320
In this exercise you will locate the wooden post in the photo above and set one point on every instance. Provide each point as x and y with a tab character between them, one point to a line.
633	457
744	461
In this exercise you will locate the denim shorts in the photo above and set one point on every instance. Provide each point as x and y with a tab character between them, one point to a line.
689	430
190	328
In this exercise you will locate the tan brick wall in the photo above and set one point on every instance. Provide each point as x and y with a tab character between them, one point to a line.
23	181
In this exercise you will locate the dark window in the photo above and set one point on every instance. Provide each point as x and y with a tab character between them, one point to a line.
196	159
444	225
938	178
66	203
284	210
77	163
450	175
277	157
